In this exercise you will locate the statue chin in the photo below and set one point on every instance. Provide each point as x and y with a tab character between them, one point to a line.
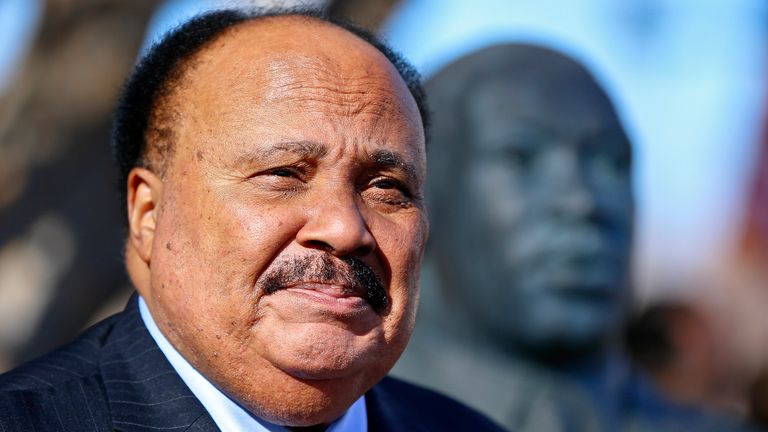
554	329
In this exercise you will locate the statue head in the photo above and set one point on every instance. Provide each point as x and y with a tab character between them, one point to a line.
530	199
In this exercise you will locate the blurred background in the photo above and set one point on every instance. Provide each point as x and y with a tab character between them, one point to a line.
688	78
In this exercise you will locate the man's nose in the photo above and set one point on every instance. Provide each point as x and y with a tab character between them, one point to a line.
336	225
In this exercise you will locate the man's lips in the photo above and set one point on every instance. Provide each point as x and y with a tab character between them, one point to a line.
327	280
333	298
326	290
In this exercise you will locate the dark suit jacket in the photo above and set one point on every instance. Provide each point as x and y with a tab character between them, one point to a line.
114	377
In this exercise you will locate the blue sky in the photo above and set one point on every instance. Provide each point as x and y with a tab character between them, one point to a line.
17	22
688	77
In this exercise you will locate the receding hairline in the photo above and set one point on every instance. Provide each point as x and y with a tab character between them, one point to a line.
173	91
269	48
269	20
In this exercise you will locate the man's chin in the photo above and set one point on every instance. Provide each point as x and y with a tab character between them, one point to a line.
305	403
323	351
318	371
291	390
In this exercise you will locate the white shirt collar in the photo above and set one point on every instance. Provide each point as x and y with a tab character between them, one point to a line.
226	413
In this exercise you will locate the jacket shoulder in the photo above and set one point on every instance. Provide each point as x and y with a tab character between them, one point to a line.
395	405
75	361
62	390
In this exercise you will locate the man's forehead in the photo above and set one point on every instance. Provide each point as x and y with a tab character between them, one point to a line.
297	59
258	85
275	48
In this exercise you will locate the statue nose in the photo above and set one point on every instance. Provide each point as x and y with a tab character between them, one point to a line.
569	194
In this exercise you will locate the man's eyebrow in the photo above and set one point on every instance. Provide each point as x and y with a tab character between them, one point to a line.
303	149
309	149
384	158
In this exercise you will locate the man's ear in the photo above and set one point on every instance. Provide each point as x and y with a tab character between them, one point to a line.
145	189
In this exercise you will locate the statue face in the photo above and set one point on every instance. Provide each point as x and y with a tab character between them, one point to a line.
545	215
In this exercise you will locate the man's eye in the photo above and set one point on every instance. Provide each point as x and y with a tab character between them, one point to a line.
390	192
282	179
283	172
386	184
392	186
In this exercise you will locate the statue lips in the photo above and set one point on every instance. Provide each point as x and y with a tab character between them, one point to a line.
582	272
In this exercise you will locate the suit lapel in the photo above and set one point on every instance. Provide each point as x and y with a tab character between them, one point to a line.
143	389
386	413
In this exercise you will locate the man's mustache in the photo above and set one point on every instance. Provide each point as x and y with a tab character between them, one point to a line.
351	272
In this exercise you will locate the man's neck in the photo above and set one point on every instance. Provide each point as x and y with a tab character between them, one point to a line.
227	413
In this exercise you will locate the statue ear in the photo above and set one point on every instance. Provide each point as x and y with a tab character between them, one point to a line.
145	190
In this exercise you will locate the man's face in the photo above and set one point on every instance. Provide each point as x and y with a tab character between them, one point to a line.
291	228
547	213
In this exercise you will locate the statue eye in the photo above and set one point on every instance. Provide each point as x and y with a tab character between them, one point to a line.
610	154
614	164
518	156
